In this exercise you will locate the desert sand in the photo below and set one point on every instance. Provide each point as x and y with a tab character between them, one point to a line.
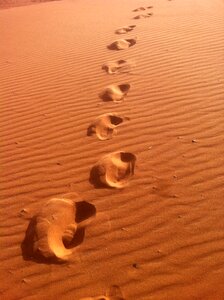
112	140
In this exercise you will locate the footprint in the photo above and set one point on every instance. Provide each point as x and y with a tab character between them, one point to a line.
143	16
122	44
142	8
120	66
125	29
104	126
56	229
114	293
113	170
115	93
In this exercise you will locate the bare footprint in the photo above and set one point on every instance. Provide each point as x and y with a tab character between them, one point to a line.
125	29
122	44
115	93
105	126
113	170
143	16
142	8
120	66
51	233
114	293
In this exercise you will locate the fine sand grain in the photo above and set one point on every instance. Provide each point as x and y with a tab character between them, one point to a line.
154	230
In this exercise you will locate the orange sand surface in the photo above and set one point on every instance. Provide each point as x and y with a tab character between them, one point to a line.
112	140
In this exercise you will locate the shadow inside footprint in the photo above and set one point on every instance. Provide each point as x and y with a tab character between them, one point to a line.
125	29
122	44
115	93
113	293
105	126
143	16
113	170
48	239
142	8
120	66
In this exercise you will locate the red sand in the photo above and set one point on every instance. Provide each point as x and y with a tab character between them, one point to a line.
162	235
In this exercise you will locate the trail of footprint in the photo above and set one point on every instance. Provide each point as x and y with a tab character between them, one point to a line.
105	126
114	293
113	170
125	29
122	44
115	93
142	8
143	16
120	66
56	229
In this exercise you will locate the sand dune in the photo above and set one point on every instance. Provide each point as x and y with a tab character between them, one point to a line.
159	237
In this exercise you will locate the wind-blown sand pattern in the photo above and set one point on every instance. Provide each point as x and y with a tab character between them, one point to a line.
162	236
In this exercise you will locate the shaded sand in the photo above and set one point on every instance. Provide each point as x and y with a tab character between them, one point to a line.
162	236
